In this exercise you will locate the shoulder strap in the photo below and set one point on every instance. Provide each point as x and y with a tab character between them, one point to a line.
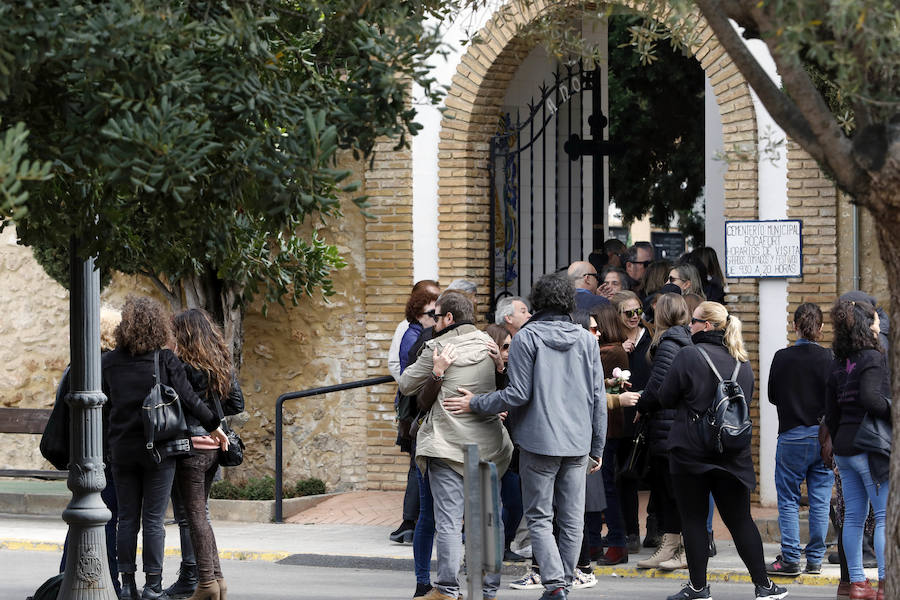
737	367
156	366
710	362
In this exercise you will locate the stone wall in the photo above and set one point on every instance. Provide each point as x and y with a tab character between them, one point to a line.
316	343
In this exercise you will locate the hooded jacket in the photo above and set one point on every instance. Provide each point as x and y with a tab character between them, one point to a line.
661	419
441	434
556	394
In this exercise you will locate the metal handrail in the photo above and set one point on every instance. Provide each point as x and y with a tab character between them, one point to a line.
279	419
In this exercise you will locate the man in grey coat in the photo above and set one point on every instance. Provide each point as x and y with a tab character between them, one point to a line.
557	409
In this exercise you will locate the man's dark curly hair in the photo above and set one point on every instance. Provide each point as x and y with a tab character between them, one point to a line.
852	328
553	292
146	326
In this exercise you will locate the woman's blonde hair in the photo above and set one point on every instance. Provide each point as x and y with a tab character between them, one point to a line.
109	320
718	317
671	310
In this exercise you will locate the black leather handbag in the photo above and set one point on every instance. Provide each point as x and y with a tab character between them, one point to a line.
637	465
874	435
235	453
165	430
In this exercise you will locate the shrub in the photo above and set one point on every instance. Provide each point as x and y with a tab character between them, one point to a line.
309	487
263	488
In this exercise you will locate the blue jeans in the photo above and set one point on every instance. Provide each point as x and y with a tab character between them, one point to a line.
615	535
798	458
423	536
554	484
859	491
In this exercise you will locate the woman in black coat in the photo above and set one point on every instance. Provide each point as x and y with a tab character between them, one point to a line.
672	334
690	388
859	385
143	485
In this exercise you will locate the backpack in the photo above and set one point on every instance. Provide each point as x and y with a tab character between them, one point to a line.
725	427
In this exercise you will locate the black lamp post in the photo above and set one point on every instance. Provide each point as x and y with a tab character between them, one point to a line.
87	574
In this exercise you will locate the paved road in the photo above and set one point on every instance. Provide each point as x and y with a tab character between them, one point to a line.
22	572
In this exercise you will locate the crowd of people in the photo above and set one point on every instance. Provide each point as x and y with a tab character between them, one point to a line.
143	345
610	368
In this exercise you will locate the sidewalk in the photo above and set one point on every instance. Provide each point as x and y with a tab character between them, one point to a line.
352	529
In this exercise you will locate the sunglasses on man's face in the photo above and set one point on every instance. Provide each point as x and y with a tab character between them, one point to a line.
435	315
640	262
633	313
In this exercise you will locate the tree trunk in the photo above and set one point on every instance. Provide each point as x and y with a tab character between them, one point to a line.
219	299
887	219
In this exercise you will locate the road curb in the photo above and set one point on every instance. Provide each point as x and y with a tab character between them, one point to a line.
405	564
713	575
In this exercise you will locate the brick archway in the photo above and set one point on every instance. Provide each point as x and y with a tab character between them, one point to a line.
473	104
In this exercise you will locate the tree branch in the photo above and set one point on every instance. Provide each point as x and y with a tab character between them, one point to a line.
171	296
820	136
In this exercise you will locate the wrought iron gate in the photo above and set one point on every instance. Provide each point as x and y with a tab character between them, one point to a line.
540	218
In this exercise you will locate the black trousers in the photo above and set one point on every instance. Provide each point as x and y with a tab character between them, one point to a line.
142	489
667	516
733	501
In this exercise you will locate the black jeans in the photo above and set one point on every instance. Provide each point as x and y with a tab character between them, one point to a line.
194	477
142	489
733	501
667	518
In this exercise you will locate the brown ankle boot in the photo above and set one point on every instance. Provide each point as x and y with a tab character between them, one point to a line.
223	589
206	590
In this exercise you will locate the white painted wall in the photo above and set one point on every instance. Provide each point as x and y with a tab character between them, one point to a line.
772	292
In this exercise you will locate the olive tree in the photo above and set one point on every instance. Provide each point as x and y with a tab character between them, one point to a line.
197	143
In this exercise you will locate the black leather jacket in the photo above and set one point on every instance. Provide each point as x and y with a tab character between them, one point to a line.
231	404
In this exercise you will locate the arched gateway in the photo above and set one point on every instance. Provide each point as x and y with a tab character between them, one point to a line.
475	102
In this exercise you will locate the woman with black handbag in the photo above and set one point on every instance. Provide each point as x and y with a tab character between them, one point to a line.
208	367
144	481
857	404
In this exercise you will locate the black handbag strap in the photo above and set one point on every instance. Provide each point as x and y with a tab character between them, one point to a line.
150	432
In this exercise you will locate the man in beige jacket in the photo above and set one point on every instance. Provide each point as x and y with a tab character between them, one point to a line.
458	356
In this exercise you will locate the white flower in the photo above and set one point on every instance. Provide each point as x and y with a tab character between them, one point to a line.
617	372
625	374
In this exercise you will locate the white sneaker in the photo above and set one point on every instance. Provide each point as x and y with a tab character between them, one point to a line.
532	581
582	580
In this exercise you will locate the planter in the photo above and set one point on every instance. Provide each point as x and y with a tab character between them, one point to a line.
261	511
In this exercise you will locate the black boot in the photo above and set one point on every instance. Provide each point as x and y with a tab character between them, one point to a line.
186	584
711	551
652	539
153	587
129	588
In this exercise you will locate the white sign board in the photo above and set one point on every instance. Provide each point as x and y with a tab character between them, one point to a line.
763	249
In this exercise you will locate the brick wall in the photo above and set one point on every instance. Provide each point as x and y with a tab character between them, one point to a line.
813	198
388	279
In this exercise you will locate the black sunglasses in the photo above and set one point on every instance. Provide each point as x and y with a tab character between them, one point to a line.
435	315
674	279
632	313
640	262
504	347
696	320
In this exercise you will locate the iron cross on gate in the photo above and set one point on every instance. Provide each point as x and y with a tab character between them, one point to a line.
597	148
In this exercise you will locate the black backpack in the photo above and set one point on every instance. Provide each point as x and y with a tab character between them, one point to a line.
725	427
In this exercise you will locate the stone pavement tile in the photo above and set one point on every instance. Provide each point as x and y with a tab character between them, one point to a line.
373	508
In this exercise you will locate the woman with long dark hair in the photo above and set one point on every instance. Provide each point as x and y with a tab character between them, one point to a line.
690	388
207	364
859	385
143	485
